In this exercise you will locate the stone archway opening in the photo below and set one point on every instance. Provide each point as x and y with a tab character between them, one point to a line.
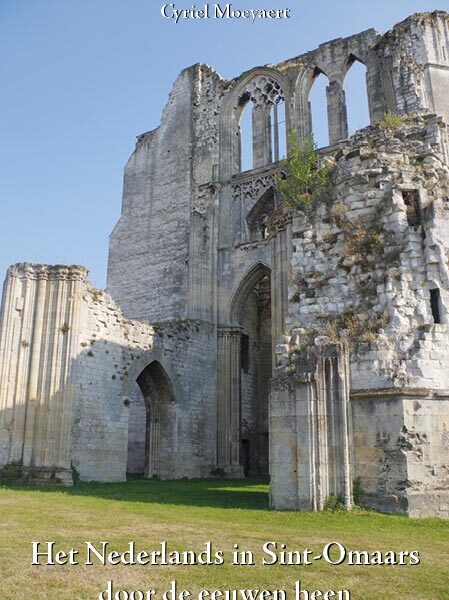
254	319
256	370
257	219
152	425
245	366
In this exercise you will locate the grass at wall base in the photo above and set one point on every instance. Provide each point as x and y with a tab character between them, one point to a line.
187	514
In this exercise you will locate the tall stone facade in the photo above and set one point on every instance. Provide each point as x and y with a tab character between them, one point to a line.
239	337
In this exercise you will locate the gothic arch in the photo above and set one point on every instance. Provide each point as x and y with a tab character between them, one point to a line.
352	58
257	217
152	419
263	87
304	83
153	380
145	359
355	86
248	281
244	375
321	134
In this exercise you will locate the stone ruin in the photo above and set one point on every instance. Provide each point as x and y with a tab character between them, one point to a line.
238	337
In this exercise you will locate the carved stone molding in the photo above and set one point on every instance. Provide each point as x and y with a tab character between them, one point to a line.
264	91
55	272
253	186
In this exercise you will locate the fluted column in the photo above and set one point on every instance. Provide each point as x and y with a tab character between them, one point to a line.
311	435
39	344
228	400
9	338
33	398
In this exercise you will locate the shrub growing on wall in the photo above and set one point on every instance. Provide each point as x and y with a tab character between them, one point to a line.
307	177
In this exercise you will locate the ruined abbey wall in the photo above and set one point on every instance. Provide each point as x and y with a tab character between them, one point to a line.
363	268
69	362
238	336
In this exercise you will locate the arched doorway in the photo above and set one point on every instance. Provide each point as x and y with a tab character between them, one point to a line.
152	425
255	372
245	370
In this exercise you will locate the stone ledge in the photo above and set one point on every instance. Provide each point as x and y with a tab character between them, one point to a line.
385	394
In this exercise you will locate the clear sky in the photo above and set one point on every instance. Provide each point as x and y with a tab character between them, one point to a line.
81	78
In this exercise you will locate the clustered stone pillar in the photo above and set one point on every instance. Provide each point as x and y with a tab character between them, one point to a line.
38	346
228	401
311	438
281	251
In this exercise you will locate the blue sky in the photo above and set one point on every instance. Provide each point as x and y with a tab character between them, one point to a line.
80	79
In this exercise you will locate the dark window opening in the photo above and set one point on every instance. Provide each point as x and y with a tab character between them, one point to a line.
435	304
412	207
244	351
259	215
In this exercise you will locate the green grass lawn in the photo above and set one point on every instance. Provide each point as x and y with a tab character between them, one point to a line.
188	514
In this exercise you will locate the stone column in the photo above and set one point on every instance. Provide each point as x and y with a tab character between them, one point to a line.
199	301
275	126
281	250
12	307
311	436
39	344
32	396
262	154
153	435
336	112
301	111
380	93
228	401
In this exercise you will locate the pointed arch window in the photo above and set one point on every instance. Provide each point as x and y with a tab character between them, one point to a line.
356	95
246	135
261	124
319	124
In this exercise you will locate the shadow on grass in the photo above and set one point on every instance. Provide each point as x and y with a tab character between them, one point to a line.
213	493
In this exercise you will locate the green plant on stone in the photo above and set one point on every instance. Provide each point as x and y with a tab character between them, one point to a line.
75	474
334	503
357	491
391	121
10	473
306	176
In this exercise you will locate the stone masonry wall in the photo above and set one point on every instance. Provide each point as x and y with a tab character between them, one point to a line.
362	269
148	250
414	60
109	345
